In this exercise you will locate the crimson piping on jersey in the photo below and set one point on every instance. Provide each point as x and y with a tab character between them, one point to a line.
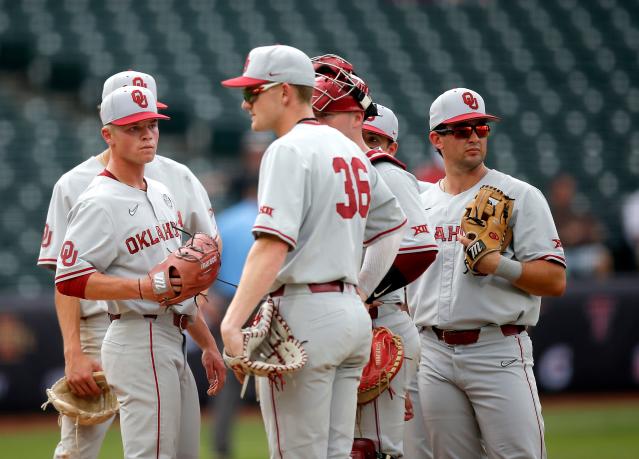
428	247
157	389
376	156
541	431
556	258
257	227
68	276
386	232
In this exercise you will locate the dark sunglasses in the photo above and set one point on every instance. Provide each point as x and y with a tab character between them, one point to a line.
464	132
250	94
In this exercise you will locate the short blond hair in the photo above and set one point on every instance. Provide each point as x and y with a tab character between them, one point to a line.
304	93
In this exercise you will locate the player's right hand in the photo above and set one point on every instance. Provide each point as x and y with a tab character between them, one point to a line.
409	413
79	370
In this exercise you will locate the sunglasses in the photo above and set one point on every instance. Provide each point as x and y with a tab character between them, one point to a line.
464	132
250	94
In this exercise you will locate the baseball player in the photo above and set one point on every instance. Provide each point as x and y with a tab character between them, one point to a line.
83	323
337	103
475	378
119	228
319	203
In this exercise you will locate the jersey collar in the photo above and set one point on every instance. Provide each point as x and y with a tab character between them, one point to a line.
378	156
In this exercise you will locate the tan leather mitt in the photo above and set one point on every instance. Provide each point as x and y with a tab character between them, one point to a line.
270	349
486	223
86	411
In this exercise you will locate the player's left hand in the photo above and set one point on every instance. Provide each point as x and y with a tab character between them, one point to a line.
233	340
215	370
488	263
408	408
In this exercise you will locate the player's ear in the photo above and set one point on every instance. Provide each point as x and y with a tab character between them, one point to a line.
435	139
358	119
107	135
392	148
288	93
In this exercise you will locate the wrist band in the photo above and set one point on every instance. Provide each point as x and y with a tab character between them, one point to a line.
509	269
140	289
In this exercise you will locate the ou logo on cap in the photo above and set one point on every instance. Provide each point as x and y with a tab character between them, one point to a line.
139	98
470	100
138	81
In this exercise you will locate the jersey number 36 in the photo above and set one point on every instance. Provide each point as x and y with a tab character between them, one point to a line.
356	203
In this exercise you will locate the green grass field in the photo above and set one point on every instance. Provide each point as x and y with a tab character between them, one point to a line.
573	431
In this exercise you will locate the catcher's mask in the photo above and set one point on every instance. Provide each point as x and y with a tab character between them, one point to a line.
338	88
332	94
331	64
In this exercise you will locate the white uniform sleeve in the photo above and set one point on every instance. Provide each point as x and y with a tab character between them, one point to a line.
282	194
88	244
385	215
417	236
55	227
378	259
200	217
535	236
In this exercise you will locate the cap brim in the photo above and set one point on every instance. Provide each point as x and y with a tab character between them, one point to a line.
161	106
139	117
242	82
376	130
470	116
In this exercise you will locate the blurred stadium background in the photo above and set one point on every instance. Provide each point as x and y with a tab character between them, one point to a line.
561	73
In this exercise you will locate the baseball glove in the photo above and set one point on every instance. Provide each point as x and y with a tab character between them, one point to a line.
270	349
387	356
196	263
86	411
486	223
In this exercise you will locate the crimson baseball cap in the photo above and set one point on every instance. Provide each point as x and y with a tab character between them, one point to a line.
132	78
276	63
456	105
129	104
384	124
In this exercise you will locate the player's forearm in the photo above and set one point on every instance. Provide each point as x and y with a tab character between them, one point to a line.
542	278
200	333
104	287
68	312
377	261
264	261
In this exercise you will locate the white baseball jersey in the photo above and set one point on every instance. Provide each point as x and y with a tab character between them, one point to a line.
320	194
450	297
403	184
192	201
122	231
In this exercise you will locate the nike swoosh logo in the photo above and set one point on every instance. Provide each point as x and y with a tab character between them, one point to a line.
378	294
506	363
428	208
274	74
134	210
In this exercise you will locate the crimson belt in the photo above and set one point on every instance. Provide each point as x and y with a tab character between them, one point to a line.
334	286
179	320
471	336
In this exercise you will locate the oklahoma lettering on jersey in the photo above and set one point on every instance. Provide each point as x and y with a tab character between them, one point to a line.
150	237
122	231
448	233
446	295
194	213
